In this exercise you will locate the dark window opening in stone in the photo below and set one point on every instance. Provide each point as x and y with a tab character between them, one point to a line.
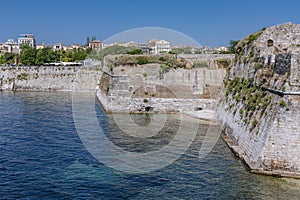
148	109
198	108
270	43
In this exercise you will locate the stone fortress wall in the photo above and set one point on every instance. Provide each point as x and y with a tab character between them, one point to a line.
145	88
268	139
49	78
141	88
273	145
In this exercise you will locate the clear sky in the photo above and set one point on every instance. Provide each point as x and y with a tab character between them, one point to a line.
209	22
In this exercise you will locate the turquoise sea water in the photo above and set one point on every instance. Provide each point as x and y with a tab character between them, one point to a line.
42	157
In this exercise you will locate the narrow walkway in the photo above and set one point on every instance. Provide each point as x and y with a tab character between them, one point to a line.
279	92
207	115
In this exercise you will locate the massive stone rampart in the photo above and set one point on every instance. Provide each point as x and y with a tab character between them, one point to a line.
49	78
145	88
260	106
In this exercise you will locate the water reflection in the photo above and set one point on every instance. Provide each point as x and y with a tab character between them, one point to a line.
41	156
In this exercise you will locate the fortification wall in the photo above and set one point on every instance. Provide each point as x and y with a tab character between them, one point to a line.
143	88
295	70
260	125
49	78
282	146
122	103
273	147
184	83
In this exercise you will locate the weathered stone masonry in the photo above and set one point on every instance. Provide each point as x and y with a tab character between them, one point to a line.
273	146
178	90
49	78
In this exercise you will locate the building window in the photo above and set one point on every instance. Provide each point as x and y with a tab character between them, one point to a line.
270	43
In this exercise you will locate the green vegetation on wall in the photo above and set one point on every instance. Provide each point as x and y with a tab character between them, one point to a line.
200	64
244	50
232	45
224	63
23	76
142	60
250	97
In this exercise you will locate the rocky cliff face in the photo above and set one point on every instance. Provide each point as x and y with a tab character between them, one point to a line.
260	106
49	78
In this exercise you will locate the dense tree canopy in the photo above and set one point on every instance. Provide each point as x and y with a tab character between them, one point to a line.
135	52
46	55
8	58
79	54
186	50
31	56
28	55
232	45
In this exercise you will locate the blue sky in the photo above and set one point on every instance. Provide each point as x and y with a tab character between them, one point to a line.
210	23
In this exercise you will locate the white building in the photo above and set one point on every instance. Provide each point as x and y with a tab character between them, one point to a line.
40	46
58	46
13	46
67	48
3	49
26	39
9	47
77	46
221	48
159	46
130	44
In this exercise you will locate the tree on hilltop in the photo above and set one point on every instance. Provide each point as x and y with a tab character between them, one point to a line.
28	55
8	58
46	55
232	45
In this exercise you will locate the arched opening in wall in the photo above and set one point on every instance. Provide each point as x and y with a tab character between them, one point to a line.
148	108
270	43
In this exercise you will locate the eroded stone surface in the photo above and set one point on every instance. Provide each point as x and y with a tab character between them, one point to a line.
272	60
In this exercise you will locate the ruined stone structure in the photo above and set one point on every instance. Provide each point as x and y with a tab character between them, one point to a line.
139	88
145	89
260	107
